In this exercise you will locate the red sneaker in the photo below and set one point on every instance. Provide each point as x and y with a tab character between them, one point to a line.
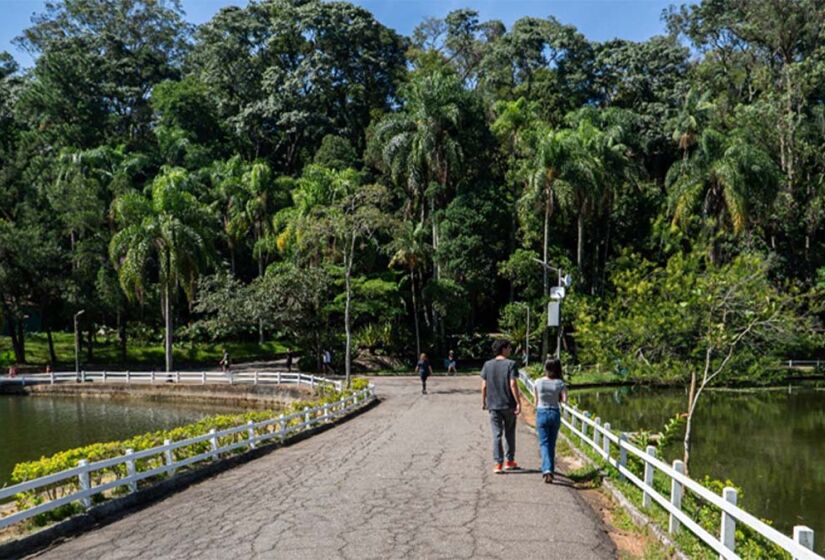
498	469
511	466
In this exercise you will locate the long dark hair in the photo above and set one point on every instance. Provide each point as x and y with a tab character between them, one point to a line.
552	369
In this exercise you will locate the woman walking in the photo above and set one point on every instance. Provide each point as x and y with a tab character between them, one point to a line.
424	371
548	393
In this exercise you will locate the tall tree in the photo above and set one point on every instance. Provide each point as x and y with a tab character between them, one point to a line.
166	233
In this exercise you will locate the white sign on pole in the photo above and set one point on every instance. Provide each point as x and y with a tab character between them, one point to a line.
554	314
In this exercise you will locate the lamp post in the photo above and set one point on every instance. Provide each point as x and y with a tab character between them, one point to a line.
558	296
527	337
77	346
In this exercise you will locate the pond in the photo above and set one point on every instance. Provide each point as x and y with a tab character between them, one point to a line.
31	427
769	442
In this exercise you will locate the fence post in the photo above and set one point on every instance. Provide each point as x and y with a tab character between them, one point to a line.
231	378
131	471
82	377
250	429
326	412
170	460
675	496
584	426
647	500
214	442
83	478
152	378
596	433
278	379
104	375
727	534
804	536
51	377
306	415
203	378
256	378
177	376
606	441
622	453
281	426
128	376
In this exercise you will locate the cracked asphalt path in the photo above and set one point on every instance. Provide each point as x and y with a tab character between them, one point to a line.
411	478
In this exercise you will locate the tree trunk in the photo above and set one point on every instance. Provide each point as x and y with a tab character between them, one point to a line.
415	314
167	316
347	326
90	352
52	354
260	319
121	336
545	336
18	343
691	398
580	241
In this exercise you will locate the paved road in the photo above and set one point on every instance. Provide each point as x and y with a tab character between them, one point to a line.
412	478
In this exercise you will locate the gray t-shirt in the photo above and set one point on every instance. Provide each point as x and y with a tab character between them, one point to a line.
498	374
549	392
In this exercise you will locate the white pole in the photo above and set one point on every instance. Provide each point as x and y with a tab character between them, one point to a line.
131	471
83	478
250	429
214	442
606	441
622	453
804	536
675	496
647	500
727	533
167	454
596	432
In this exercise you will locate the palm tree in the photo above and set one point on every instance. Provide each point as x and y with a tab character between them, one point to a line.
169	231
410	252
230	203
692	117
724	181
421	149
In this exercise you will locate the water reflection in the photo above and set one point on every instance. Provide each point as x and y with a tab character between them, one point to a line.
770	442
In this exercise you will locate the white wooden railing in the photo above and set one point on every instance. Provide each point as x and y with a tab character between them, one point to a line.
614	449
189	377
245	436
814	363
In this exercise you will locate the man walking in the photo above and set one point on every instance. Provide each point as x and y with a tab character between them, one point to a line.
500	396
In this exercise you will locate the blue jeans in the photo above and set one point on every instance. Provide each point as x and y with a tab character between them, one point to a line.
548	422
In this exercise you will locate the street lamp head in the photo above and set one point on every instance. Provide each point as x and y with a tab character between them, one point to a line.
545	265
79	313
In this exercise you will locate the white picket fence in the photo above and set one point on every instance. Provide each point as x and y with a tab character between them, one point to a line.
614	449
189	377
245	436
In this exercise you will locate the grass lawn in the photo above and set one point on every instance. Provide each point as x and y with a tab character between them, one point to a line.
145	355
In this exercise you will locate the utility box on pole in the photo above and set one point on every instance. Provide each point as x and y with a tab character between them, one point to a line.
554	314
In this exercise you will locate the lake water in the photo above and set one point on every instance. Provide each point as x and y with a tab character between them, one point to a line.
31	427
770	443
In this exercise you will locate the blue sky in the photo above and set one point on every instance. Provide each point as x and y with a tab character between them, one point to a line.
598	19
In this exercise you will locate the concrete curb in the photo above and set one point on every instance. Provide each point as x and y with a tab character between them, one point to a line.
113	510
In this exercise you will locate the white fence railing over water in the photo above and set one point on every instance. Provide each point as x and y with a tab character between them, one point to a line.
245	436
614	449
188	377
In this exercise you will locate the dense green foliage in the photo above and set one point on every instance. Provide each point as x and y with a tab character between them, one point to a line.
294	170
